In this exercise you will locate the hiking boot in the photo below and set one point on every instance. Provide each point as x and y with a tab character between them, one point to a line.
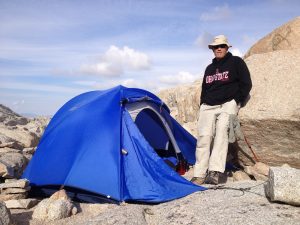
198	180
213	177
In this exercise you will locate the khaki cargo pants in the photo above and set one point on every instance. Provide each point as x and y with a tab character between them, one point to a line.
212	143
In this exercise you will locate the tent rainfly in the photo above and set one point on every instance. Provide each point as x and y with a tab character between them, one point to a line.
113	144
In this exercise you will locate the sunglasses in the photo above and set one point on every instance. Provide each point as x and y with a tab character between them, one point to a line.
219	46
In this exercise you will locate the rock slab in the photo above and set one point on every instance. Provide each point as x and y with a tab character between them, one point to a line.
5	217
21	203
22	183
12	163
57	207
283	185
285	37
240	175
6	171
14	189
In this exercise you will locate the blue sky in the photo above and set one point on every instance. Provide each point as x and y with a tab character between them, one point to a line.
51	51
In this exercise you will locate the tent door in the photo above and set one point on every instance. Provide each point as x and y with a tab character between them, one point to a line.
154	128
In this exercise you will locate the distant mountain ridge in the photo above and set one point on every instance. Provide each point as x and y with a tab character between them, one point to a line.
30	115
5	110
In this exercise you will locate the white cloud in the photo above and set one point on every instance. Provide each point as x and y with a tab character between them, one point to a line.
236	52
40	87
102	68
204	39
130	83
218	13
116	60
18	104
144	84
182	77
248	40
21	102
85	83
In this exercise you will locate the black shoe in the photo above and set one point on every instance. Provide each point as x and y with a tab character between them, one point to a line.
213	177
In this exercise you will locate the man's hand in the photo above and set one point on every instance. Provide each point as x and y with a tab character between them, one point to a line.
238	108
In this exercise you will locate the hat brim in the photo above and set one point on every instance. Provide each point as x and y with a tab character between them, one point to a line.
212	45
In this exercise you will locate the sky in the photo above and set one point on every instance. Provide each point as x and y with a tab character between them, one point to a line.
54	50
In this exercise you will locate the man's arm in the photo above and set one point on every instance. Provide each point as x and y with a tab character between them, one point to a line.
245	83
203	90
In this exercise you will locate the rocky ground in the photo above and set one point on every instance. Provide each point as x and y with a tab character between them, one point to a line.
228	204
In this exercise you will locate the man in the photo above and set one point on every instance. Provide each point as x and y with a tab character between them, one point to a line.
225	87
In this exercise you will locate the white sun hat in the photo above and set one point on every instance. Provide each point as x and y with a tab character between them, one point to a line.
219	40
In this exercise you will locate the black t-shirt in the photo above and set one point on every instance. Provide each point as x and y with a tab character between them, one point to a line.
226	79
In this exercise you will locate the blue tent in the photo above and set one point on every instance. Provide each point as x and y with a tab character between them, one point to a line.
105	142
